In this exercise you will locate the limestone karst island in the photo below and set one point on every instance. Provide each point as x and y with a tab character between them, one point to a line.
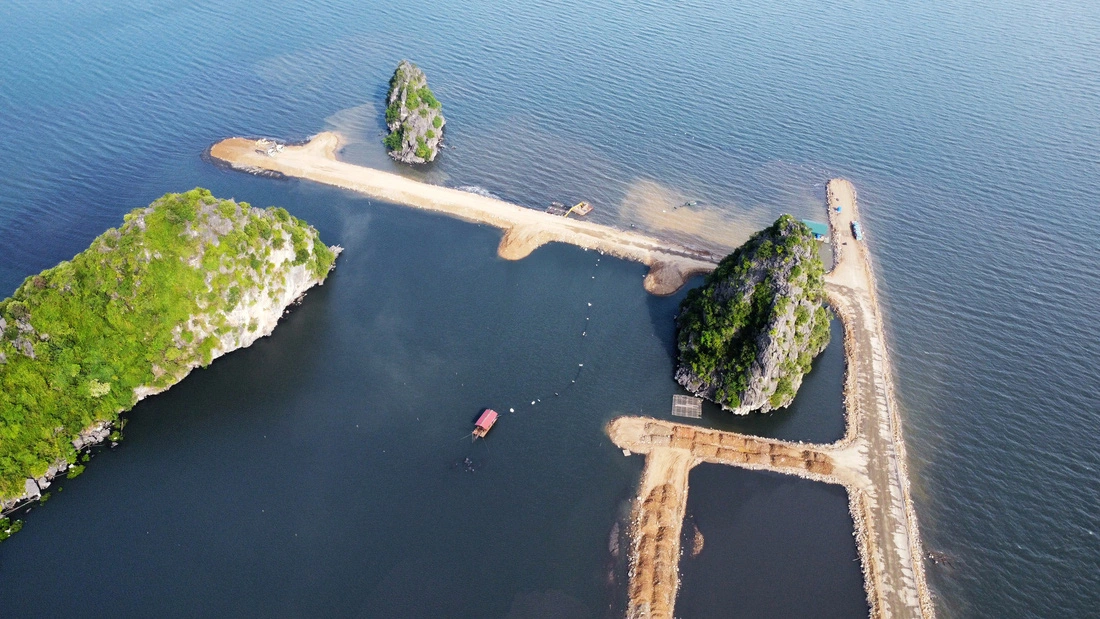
181	282
413	115
749	334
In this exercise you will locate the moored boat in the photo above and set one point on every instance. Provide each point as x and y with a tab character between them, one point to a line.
484	423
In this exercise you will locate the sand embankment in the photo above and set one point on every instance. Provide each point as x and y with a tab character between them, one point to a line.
655	533
646	435
869	461
670	264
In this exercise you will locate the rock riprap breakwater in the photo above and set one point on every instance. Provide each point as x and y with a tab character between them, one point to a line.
181	282
750	333
414	116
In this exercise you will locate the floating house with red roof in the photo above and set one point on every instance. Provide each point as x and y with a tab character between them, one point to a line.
484	423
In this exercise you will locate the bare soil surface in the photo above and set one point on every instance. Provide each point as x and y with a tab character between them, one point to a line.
656	521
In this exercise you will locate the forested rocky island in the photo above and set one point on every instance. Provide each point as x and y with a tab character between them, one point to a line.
413	115
750	333
180	283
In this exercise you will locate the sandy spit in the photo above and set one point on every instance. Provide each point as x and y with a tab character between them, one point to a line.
670	264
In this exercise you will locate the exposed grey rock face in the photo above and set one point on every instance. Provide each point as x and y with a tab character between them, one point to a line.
56	468
414	116
92	435
24	346
747	337
31	489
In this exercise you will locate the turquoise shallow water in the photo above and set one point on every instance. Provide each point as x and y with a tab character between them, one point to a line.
970	131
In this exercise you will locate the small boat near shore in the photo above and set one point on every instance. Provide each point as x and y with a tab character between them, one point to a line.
581	209
557	208
484	423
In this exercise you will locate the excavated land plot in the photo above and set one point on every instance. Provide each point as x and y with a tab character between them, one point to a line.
869	461
670	264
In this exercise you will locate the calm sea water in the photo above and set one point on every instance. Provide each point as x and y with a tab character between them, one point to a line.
793	567
970	130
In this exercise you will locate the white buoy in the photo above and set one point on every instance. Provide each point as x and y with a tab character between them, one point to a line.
589	305
580	365
532	402
511	410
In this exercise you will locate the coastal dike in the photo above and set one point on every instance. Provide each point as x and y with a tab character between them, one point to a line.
869	461
670	265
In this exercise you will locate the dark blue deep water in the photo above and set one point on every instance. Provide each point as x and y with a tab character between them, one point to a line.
792	567
313	473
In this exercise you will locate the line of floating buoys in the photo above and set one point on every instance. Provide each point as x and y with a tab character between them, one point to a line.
584	333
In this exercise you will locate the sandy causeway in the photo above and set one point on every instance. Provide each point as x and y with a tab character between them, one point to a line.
670	264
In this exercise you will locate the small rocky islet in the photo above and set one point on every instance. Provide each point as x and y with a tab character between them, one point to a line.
413	115
181	282
748	336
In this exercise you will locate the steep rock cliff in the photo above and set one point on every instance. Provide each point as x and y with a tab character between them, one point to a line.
414	116
750	333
